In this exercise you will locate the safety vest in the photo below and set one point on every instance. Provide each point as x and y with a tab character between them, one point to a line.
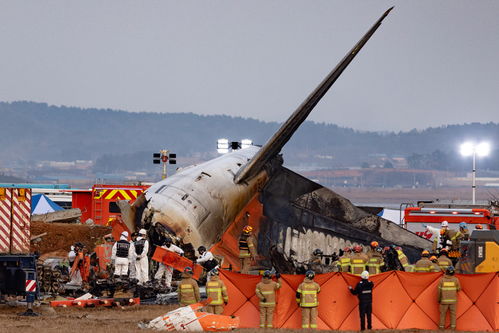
266	290
246	246
404	261
374	264
444	262
423	265
122	247
216	290
188	291
308	291
345	263
448	288
357	264
139	246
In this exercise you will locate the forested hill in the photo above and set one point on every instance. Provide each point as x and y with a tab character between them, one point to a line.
37	131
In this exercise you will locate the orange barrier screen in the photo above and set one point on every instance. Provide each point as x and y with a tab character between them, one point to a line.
400	301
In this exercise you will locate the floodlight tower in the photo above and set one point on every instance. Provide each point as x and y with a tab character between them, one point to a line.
472	149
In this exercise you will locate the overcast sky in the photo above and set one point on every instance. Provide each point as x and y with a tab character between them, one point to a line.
430	63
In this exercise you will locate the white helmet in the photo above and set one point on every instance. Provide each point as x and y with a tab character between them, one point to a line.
365	275
124	234
142	232
444	224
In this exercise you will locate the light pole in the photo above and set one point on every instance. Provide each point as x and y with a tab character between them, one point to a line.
472	149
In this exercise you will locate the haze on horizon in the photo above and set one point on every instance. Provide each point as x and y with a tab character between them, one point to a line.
429	64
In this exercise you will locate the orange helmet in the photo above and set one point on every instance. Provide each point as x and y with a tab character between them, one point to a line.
425	253
374	244
478	227
433	258
444	251
247	229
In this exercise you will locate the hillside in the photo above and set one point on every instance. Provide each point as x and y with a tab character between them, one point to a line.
37	131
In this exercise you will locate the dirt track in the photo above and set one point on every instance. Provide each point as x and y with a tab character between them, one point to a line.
115	320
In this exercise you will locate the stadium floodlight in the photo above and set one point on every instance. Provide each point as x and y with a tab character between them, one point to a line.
246	143
222	146
471	149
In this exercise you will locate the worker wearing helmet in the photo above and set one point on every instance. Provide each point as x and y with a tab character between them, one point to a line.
206	259
403	259
443	260
266	291
478	227
358	262
372	248
121	255
461	234
345	260
434	264
216	290
307	296
315	262
163	269
364	291
141	249
188	289
448	287
423	265
247	250
375	261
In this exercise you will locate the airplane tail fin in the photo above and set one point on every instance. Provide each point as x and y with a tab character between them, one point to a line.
279	139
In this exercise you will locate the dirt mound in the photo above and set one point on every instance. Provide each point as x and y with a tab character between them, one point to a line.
60	236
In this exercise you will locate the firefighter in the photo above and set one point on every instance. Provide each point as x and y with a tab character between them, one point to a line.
308	300
478	227
121	255
403	259
462	234
443	260
188	291
448	288
266	291
216	290
372	248
434	264
375	261
141	248
358	261
206	259
364	291
163	269
345	260
424	264
247	251
315	263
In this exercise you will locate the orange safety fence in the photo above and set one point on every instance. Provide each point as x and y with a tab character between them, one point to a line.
401	300
228	246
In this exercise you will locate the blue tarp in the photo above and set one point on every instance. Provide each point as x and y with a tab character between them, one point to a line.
41	204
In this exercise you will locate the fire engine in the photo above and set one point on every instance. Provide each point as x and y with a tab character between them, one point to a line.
434	213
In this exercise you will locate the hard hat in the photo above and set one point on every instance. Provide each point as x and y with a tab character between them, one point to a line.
310	275
442	231
425	253
267	274
124	234
444	251
444	224
374	244
347	249
463	225
478	227
398	248
201	249
450	270
188	270
386	248
142	232
357	248
248	229
364	275
379	249
214	272
317	252
433	258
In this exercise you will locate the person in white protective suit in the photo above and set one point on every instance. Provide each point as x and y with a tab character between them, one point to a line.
141	248
163	269
436	234
121	255
132	274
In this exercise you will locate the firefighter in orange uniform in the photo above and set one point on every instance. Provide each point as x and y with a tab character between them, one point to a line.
307	297
188	290
216	290
247	250
448	288
266	291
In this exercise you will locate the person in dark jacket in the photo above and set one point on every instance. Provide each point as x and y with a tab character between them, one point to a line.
364	291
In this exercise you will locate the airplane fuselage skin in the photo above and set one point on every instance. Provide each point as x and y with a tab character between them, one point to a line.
197	203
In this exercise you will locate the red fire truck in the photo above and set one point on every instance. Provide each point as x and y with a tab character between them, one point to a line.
433	214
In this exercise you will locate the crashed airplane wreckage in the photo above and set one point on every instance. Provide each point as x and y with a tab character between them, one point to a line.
198	203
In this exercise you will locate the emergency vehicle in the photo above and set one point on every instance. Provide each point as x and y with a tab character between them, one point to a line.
432	214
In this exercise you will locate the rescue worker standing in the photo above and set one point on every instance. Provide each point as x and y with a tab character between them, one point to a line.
403	259
216	290
163	269
315	262
358	261
247	250
206	259
121	256
364	291
345	260
188	291
423	265
308	300
141	247
375	261
434	264
448	288
266	291
462	234
443	260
